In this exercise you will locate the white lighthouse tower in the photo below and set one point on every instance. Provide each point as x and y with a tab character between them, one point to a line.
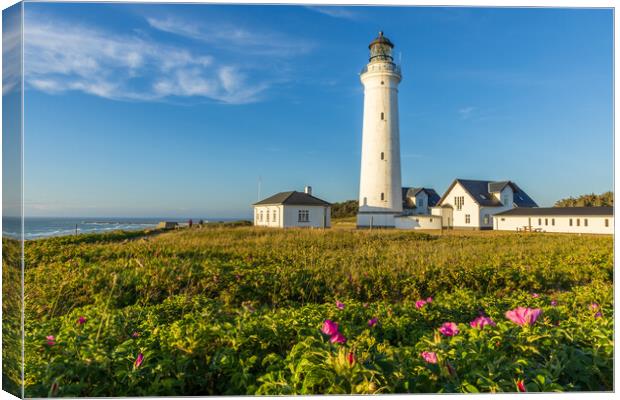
380	181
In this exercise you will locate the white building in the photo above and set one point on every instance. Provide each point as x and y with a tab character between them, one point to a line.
380	197
557	219
293	209
418	200
471	204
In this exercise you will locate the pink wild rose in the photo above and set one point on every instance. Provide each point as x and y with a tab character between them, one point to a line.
339	305
135	335
429	299
449	329
81	320
429	356
554	302
420	303
535	295
329	327
481	321
523	316
594	306
337	338
373	322
51	340
138	361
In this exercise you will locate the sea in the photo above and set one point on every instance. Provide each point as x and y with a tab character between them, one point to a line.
41	227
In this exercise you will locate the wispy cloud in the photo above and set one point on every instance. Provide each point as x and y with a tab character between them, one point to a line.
466	112
64	56
233	38
11	50
336	12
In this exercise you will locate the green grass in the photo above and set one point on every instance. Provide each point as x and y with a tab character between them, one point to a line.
223	310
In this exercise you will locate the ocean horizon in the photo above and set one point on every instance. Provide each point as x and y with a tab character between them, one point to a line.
42	227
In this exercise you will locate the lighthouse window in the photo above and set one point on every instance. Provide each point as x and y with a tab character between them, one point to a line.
382	82
382	196
382	116
382	155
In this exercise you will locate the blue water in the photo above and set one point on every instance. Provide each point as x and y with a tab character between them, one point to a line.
40	227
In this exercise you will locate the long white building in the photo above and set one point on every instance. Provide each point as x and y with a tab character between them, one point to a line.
557	219
380	196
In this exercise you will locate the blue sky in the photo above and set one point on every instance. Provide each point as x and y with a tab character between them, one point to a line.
177	110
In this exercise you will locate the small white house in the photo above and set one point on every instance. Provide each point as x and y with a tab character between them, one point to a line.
557	219
419	200
471	204
293	209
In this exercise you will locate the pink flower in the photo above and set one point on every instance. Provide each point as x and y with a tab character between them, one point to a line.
554	302
135	335
521	386
535	295
351	358
81	320
594	306
138	361
373	322
598	314
420	303
429	356
338	338
339	305
449	329
329	327
481	321
523	316
429	299
51	340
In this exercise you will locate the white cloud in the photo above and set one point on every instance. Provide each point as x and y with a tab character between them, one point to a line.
62	56
336	12
233	38
11	50
466	112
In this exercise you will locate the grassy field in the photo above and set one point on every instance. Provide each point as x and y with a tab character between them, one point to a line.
241	310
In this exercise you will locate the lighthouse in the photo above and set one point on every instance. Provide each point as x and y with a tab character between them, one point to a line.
380	197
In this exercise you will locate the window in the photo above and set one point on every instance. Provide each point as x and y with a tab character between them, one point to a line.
546	222
421	203
382	82
553	221
577	221
467	219
486	218
539	221
382	156
275	215
303	216
382	116
430	220
261	216
458	202
606	223
570	222
382	196
267	215
503	219
585	222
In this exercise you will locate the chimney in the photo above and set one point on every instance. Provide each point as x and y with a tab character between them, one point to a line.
308	190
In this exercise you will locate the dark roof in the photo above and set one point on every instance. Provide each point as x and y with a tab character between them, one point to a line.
433	197
563	211
381	39
293	198
481	191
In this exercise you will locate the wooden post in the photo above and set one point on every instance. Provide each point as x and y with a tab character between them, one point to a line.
76	229
371	221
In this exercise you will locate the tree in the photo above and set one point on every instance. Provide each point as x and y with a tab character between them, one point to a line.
588	200
345	209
